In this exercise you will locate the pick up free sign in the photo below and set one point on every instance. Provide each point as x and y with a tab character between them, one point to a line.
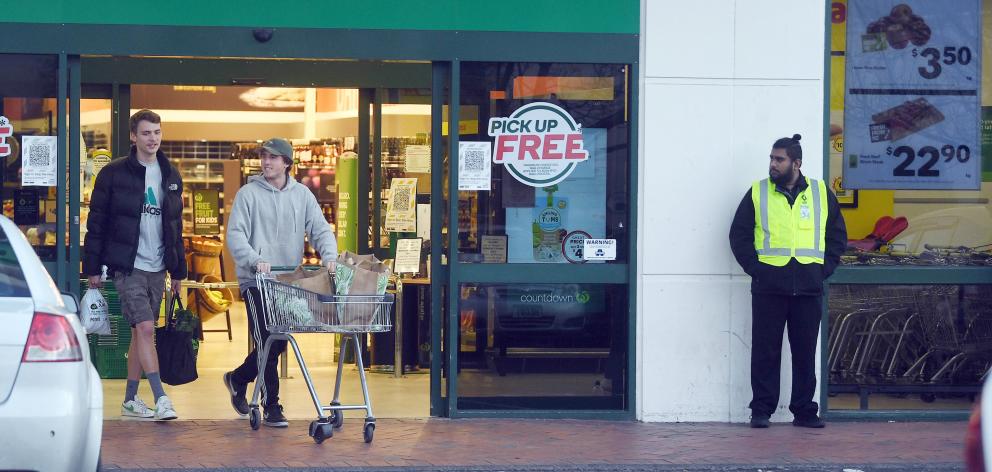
539	143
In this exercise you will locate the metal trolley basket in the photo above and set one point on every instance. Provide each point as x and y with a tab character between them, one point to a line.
290	310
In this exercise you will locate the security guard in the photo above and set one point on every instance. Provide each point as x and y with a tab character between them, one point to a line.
788	235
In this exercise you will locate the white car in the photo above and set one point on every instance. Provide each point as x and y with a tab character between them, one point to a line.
51	399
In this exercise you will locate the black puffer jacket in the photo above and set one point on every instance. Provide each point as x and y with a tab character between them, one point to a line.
793	278
113	225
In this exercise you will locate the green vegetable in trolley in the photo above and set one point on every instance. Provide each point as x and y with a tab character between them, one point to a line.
293	310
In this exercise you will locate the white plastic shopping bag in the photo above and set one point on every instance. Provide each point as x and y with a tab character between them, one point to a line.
95	315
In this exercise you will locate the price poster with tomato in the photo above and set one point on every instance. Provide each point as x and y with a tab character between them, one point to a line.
912	98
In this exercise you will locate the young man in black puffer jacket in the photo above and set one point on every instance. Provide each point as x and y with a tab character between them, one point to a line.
135	229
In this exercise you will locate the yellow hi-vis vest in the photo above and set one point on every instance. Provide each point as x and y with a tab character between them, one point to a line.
783	232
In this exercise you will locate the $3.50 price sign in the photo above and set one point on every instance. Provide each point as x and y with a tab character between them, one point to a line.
912	104
936	60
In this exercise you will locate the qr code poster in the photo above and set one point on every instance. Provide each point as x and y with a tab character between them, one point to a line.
474	165
401	214
38	156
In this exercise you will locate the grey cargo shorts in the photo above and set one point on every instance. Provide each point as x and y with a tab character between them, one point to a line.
141	294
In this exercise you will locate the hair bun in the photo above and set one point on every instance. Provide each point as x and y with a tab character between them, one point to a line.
796	137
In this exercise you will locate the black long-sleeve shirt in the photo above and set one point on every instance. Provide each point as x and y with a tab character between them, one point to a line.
793	278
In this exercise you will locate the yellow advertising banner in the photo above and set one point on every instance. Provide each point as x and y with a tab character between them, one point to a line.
838	20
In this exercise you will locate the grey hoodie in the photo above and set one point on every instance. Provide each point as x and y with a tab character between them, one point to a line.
268	224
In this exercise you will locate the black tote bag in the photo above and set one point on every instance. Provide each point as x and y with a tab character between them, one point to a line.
174	342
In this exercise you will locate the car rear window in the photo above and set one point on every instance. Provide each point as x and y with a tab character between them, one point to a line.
12	283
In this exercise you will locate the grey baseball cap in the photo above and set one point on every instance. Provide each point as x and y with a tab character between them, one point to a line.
279	147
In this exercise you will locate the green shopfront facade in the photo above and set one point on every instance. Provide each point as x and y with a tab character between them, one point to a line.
517	326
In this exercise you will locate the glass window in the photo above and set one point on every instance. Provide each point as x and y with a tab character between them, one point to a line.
405	154
558	175
12	283
28	103
212	134
544	346
908	346
97	132
930	225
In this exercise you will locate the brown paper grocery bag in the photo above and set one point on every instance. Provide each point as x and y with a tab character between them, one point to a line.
317	281
289	277
360	275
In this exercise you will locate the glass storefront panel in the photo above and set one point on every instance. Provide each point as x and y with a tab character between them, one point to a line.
95	120
405	153
28	103
564	131
542	346
910	162
442	89
907	226
213	134
908	347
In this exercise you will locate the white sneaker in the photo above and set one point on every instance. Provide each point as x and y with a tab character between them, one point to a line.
136	409
163	409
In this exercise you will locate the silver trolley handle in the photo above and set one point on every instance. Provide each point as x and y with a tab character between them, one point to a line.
292	268
259	276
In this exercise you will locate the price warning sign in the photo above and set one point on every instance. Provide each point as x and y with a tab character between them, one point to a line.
912	105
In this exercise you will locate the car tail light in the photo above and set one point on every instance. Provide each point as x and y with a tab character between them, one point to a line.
51	339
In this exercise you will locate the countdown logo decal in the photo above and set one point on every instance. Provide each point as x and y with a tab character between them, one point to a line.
539	144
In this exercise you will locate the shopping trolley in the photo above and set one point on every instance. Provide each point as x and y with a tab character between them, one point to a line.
288	310
957	330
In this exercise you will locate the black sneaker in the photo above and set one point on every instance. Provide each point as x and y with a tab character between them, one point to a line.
808	422
237	392
759	421
273	417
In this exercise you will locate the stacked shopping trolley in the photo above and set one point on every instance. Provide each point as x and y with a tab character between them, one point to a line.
909	339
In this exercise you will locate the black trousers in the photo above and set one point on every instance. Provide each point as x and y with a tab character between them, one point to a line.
771	315
248	370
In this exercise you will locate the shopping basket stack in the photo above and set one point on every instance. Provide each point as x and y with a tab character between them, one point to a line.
289	309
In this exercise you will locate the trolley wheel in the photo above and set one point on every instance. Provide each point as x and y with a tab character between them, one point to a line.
369	432
337	418
321	431
254	418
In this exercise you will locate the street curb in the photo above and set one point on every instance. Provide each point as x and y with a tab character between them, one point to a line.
903	467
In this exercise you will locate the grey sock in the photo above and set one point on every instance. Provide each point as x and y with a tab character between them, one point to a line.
156	383
132	390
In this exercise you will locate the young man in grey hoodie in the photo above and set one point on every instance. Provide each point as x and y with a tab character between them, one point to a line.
269	218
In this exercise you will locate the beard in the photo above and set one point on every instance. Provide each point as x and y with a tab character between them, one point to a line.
782	179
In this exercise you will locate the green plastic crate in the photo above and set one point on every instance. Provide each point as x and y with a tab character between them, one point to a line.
110	362
109	352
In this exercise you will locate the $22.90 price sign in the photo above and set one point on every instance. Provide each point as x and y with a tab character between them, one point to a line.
912	102
924	161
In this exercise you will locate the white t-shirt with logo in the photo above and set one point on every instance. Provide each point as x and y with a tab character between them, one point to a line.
151	247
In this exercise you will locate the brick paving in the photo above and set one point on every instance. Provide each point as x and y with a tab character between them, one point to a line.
426	443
